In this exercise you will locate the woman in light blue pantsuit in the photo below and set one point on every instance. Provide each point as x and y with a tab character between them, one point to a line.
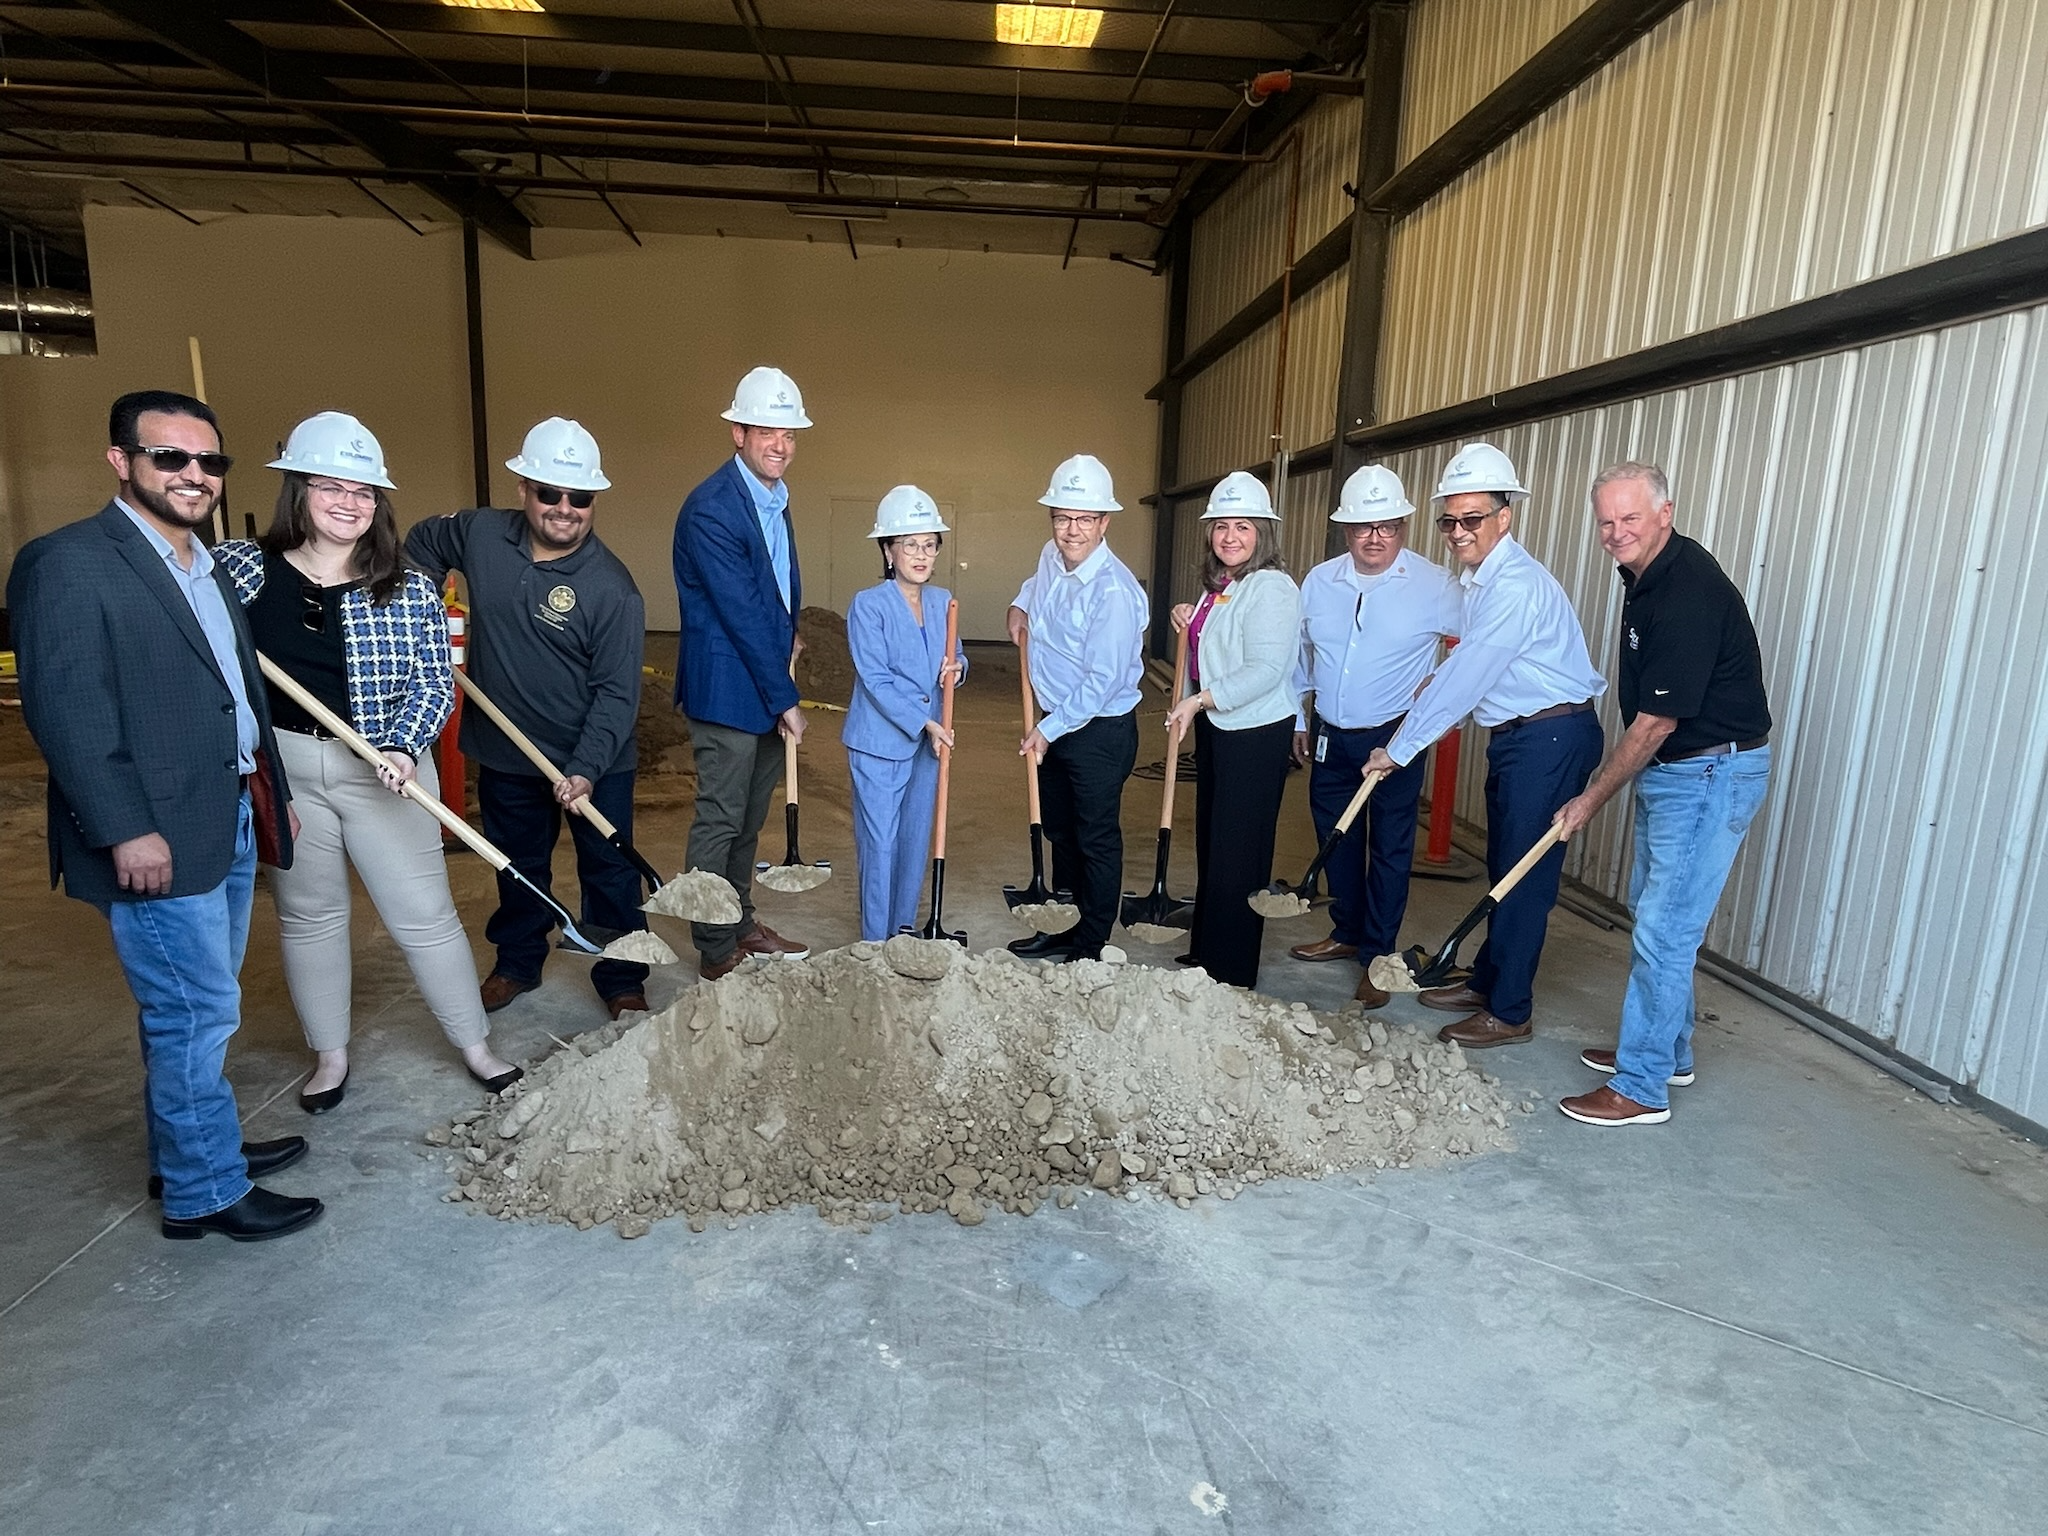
897	633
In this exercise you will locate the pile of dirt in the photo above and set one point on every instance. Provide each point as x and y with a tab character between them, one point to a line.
824	671
912	1077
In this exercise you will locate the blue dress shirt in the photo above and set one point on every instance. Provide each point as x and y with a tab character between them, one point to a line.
770	502
210	607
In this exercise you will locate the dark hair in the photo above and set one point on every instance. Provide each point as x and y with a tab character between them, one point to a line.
130	408
889	544
1266	556
376	559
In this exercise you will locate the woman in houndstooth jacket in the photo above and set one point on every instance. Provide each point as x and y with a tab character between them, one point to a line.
330	601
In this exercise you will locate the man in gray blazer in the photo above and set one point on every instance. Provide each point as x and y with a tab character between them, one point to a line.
139	684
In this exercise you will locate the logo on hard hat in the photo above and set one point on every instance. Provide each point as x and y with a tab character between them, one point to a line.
567	455
562	599
356	450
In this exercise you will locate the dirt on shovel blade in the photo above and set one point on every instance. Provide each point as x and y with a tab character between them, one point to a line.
1155	933
697	896
642	948
792	879
1277	904
1047	916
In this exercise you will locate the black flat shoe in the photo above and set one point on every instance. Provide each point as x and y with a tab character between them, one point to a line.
257	1216
326	1099
263	1157
496	1084
1044	946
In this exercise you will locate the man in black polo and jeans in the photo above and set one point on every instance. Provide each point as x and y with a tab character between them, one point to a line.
560	627
1697	749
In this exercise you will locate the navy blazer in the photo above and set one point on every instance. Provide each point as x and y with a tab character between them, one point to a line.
895	669
732	659
122	693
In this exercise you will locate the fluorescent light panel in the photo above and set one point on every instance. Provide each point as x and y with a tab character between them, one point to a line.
494	5
1047	26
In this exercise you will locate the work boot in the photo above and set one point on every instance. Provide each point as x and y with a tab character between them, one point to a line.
1482	1030
1455	999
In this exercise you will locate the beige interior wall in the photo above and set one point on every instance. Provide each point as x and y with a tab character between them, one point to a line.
970	374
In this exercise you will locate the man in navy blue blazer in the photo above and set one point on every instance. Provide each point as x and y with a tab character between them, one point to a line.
740	591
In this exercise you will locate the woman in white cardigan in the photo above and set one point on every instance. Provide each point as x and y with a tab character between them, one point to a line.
1243	637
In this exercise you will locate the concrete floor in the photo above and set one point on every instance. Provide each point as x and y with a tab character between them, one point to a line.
1814	1302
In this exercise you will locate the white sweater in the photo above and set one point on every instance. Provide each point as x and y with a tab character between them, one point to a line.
1249	647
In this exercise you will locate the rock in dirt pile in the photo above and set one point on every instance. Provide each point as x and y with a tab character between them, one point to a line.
912	1077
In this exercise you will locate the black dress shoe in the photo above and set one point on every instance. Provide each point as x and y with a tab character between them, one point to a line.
1186	959
256	1216
263	1157
496	1084
1044	946
326	1099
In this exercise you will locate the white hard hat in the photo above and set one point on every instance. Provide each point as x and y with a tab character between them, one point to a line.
1239	494
906	510
767	397
560	453
335	443
1081	484
1373	494
1480	467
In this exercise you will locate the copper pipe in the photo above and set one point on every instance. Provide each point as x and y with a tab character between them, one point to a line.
613	123
1293	143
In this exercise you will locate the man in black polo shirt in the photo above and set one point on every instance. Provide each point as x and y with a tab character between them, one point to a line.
1697	749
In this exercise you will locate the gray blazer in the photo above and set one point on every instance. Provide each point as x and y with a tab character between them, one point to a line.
123	696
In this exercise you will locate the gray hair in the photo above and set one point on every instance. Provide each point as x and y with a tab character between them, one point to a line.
1651	475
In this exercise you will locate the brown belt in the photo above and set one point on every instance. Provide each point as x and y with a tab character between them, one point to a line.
1719	749
1551	713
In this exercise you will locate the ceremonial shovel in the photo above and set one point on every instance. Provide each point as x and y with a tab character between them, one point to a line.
1282	900
1153	916
1037	894
934	928
1438	971
481	846
792	874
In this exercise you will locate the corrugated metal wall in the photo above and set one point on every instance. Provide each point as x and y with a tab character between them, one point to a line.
1884	509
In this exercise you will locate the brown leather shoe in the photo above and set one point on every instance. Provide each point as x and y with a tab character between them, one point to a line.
764	940
1458	999
1603	1061
711	969
1482	1030
498	989
1603	1106
627	1002
1369	994
1324	949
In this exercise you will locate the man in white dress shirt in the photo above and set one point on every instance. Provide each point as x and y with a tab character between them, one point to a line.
1522	671
1086	616
1371	622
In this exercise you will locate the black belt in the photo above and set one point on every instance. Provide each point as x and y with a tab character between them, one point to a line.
1552	713
1719	749
313	731
1359	730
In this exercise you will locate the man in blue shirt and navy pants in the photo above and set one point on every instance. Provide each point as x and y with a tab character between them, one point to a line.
740	591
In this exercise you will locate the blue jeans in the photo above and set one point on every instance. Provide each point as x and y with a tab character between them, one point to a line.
1690	818
894	800
1368	870
183	955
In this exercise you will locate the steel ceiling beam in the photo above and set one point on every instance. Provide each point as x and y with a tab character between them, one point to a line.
200	35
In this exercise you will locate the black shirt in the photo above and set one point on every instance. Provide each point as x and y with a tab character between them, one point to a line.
1689	652
279	618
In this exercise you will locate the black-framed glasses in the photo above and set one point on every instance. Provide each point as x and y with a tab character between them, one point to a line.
551	496
313	612
1471	522
171	460
1080	520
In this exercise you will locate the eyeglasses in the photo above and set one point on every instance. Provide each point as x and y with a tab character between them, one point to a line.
917	546
313	612
359	496
1471	522
551	496
1381	530
1081	520
171	460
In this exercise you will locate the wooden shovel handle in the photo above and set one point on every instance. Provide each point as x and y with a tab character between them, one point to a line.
946	720
349	737
789	751
533	754
1030	723
1365	789
1529	861
1180	684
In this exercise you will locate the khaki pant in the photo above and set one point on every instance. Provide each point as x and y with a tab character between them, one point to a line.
347	817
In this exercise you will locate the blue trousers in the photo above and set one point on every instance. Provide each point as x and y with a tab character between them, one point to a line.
893	801
1690	819
1530	772
183	958
522	816
1368	871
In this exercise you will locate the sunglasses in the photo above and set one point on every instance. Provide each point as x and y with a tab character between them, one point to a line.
171	460
1471	522
551	495
314	612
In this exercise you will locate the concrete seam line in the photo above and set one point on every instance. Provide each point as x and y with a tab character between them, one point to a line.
138	1205
1699	1316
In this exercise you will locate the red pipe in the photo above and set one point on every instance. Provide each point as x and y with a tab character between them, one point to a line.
448	751
1443	791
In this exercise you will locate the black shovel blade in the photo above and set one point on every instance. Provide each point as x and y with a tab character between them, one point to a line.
1158	909
587	938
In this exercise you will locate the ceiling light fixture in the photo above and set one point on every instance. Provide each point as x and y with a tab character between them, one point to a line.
837	212
494	5
1047	26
